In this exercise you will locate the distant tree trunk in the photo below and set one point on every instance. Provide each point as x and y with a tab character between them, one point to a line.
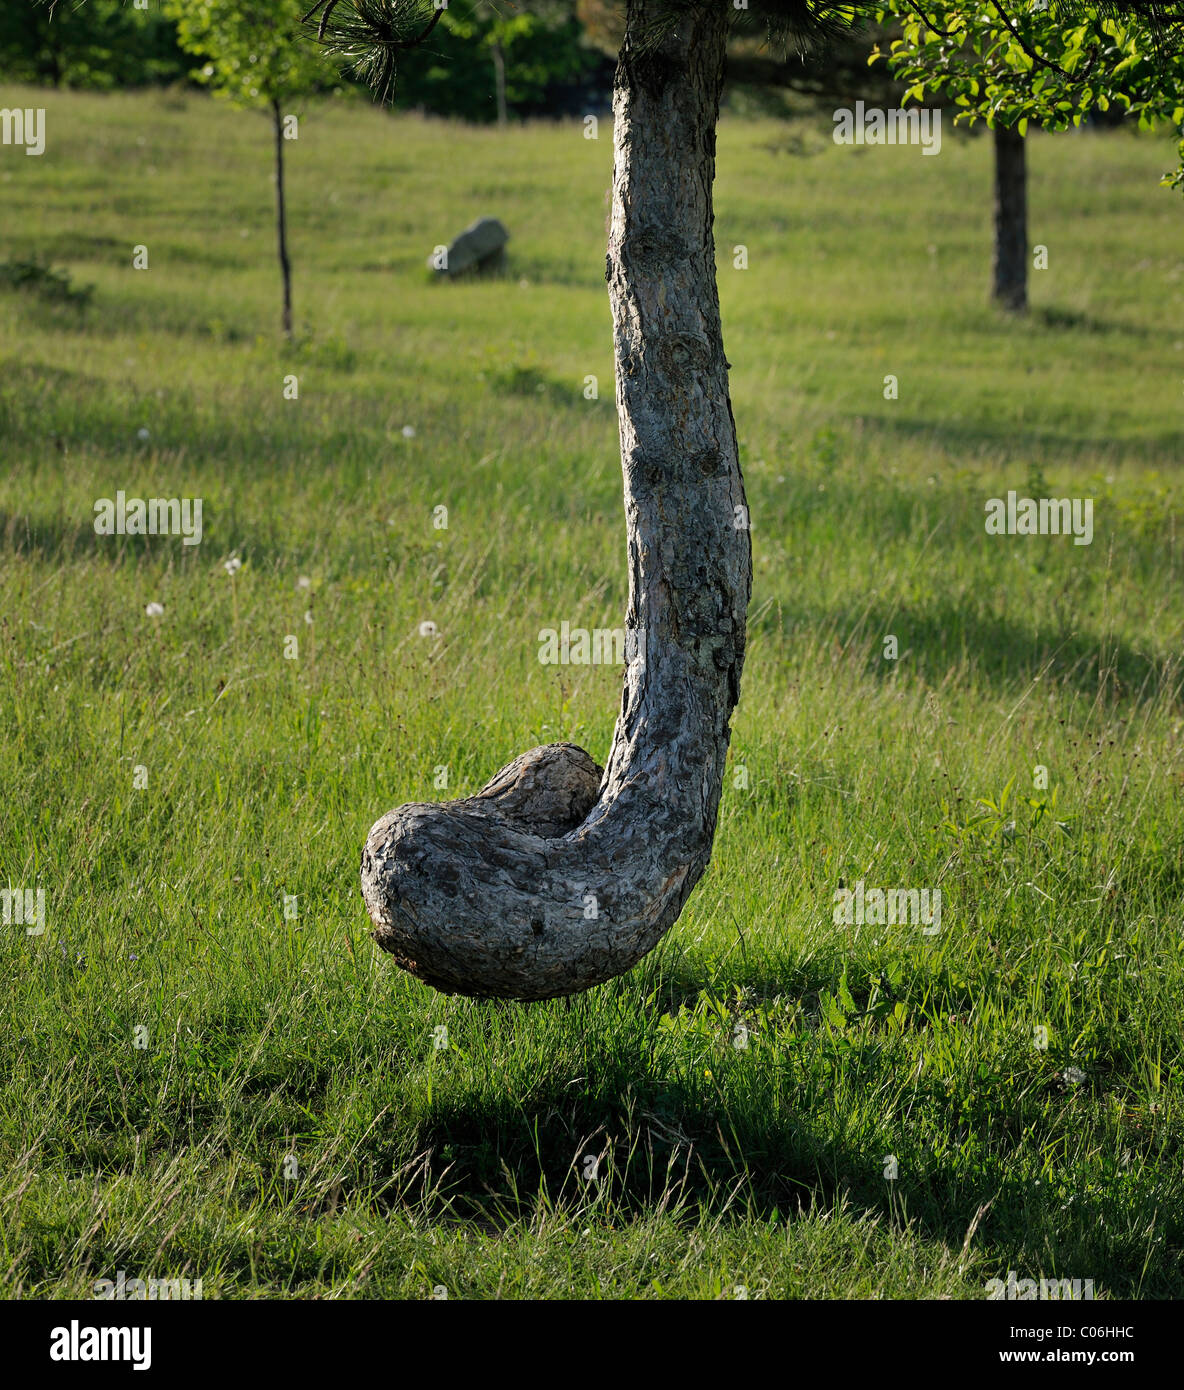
499	81
556	877
281	216
1010	286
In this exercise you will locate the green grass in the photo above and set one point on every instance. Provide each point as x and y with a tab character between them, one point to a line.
719	1166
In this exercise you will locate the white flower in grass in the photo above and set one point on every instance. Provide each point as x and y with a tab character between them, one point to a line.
408	431
155	610
304	582
143	433
308	617
233	565
1074	1076
428	629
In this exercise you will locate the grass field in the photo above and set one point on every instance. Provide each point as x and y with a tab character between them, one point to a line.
198	1084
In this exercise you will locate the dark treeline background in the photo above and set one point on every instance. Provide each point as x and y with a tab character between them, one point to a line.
557	59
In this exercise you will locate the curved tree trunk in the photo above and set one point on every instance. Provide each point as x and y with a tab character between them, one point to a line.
557	877
1010	283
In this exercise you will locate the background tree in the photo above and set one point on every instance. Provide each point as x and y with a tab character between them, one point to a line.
1052	65
255	56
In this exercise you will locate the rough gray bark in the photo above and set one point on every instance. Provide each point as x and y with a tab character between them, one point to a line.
557	877
1010	273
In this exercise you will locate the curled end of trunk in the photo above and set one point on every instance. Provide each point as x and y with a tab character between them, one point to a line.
459	891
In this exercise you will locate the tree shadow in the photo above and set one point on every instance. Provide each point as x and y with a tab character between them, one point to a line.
1006	650
1055	443
644	1141
1052	316
59	540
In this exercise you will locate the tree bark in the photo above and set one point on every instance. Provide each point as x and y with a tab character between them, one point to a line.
1010	282
281	217
556	876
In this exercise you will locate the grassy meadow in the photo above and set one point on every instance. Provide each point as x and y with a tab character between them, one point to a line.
198	1083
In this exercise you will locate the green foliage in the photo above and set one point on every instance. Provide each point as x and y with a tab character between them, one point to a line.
442	61
100	44
1049	65
452	73
257	52
260	50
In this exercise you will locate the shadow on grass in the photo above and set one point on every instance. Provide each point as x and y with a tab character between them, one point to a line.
1053	443
1057	319
630	1142
62	540
1004	650
804	1122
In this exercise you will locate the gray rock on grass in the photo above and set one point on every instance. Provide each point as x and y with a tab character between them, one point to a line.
481	247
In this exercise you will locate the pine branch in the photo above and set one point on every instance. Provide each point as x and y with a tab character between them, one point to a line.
370	34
